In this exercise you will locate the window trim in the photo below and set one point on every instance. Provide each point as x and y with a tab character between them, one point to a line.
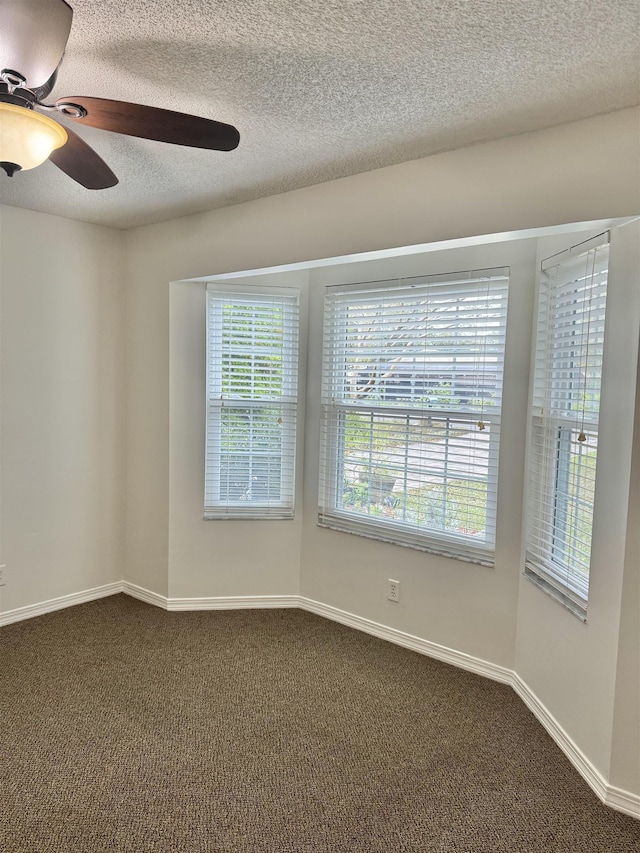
554	577
330	514
287	405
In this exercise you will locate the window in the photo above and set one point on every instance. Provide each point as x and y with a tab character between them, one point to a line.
564	429
412	391
252	386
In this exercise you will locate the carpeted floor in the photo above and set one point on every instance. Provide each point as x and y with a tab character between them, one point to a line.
127	728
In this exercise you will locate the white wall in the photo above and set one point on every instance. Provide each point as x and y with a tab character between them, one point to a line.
456	604
585	656
586	170
625	757
63	407
62	386
583	171
219	558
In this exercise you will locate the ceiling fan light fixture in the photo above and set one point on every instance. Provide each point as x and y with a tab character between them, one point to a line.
26	138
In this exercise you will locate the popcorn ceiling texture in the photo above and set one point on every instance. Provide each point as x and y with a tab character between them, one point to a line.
320	90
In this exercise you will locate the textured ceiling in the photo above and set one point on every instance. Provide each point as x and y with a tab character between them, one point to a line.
323	89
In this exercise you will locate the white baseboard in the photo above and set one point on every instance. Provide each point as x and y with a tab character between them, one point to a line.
617	798
145	595
623	801
233	602
238	602
409	641
575	755
220	602
32	610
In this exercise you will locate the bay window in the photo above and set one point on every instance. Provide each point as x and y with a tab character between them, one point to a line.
565	412
252	389
411	404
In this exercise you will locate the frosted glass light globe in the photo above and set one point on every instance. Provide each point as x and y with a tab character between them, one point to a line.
26	137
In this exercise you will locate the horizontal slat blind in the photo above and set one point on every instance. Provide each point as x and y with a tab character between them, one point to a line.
564	431
411	400
252	386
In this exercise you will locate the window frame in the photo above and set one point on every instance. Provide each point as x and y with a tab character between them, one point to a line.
335	411
550	567
284	406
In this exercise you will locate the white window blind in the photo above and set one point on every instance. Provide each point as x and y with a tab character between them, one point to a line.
411	401
564	431
252	388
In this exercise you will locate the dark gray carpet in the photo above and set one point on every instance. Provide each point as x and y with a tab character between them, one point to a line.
126	728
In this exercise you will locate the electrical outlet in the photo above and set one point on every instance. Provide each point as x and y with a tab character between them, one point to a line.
393	591
3	574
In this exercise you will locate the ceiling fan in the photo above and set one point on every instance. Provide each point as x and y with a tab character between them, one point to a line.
33	37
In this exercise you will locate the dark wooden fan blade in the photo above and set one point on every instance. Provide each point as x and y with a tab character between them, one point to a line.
80	162
154	123
33	36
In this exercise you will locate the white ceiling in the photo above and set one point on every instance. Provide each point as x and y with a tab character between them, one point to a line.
324	88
